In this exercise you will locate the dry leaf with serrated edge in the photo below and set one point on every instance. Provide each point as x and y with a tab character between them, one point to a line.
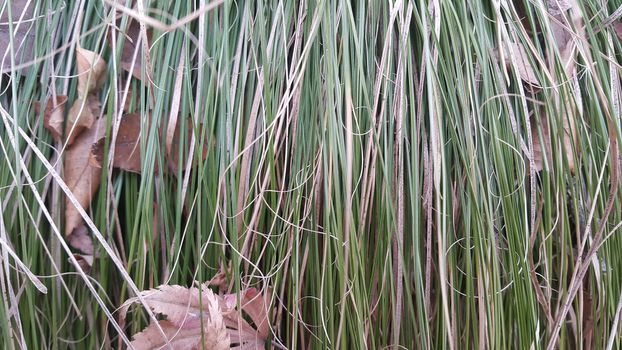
217	336
179	337
183	308
188	333
80	176
127	146
91	71
53	116
176	302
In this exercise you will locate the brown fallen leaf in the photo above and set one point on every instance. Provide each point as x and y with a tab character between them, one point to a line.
179	304
23	37
188	334
82	129
256	306
554	8
131	35
562	30
558	7
217	336
544	148
81	116
53	116
518	57
81	240
184	307
127	146
521	11
565	22
565	45
80	176
85	262
220	279
91	71
560	11
180	338
617	28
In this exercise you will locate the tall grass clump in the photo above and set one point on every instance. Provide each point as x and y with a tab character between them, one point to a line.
393	174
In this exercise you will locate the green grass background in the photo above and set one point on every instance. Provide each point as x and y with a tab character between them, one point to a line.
362	162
